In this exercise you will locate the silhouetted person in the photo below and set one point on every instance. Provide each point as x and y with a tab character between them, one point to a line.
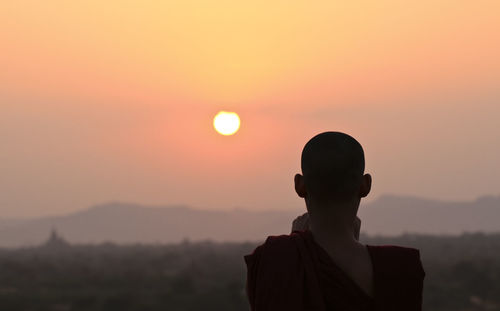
321	265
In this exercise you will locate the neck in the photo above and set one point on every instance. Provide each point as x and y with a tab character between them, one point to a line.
333	223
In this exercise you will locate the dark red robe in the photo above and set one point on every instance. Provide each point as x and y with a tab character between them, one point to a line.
292	272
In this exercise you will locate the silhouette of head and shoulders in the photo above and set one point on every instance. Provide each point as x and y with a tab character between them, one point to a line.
321	264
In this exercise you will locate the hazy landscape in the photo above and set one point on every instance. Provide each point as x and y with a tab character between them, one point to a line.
462	274
130	257
132	223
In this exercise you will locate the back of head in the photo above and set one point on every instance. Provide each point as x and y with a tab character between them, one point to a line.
333	164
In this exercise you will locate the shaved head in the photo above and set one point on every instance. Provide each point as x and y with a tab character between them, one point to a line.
333	165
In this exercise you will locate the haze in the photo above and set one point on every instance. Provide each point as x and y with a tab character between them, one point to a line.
113	100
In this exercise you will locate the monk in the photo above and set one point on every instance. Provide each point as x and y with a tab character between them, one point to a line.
321	265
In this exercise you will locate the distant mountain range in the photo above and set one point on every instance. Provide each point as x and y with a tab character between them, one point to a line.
133	223
394	215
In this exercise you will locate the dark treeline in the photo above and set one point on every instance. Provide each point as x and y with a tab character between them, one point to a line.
463	273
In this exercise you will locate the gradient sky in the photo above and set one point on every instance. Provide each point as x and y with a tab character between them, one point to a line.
113	100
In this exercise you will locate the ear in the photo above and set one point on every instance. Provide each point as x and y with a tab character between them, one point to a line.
300	187
366	185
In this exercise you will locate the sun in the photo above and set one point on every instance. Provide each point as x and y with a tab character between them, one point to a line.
226	123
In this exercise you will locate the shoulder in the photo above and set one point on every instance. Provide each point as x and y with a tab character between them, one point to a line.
392	251
396	260
398	277
275	246
273	260
279	240
275	274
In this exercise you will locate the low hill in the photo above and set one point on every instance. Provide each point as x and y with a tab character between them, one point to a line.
132	223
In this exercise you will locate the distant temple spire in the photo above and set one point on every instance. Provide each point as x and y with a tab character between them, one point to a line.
55	240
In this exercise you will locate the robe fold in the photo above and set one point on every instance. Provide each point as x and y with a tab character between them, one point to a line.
293	273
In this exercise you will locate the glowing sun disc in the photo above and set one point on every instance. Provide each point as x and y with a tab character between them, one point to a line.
226	123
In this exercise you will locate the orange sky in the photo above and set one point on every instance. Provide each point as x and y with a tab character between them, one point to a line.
113	100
